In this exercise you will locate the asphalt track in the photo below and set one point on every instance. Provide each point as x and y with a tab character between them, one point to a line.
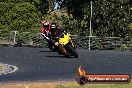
39	64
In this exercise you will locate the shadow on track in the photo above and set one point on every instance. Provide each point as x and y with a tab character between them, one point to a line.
56	56
45	51
59	56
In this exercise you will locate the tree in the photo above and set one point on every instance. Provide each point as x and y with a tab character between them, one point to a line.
110	18
21	14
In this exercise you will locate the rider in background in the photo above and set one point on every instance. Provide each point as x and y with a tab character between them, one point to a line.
46	32
45	27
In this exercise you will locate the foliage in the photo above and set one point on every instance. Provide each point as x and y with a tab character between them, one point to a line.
110	17
20	15
67	22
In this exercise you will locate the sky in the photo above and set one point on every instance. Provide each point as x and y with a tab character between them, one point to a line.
57	4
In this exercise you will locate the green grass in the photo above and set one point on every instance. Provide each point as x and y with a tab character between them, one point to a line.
62	84
98	86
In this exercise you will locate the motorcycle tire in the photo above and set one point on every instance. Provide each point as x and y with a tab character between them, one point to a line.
54	48
62	50
51	46
73	51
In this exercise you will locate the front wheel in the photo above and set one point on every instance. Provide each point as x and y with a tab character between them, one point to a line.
63	51
51	46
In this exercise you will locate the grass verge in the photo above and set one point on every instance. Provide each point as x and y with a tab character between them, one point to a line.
61	84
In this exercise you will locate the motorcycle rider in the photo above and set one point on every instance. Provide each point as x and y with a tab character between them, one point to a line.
46	32
50	32
56	31
53	30
45	27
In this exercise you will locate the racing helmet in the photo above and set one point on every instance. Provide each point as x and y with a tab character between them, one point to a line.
53	25
45	24
53	28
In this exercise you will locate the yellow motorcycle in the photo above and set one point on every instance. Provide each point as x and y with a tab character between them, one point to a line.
65	45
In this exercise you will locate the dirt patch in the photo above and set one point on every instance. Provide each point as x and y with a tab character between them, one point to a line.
6	42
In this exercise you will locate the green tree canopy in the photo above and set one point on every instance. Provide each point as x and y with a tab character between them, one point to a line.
18	16
110	18
21	15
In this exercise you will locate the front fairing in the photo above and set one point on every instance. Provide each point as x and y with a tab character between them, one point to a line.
64	39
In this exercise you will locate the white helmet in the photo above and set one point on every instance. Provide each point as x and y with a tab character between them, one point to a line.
53	26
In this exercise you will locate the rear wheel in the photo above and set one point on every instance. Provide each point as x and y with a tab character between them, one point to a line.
73	51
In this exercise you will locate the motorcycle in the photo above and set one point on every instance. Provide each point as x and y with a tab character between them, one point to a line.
65	45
